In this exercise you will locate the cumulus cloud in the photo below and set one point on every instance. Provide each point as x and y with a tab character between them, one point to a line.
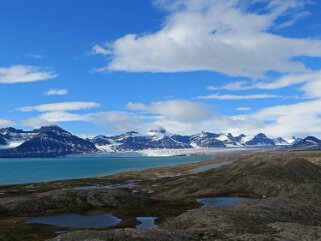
299	119
61	106
178	116
239	97
178	110
223	36
118	121
274	121
56	92
286	120
24	74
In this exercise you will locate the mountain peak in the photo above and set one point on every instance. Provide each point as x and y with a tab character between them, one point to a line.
53	129
260	140
6	130
158	130
261	135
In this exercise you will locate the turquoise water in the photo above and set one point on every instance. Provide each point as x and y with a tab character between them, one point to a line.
30	170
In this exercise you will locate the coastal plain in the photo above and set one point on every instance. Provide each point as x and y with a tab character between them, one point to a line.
284	189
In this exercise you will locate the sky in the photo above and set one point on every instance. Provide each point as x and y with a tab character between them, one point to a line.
107	66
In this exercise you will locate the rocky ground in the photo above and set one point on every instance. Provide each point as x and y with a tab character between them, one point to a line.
286	188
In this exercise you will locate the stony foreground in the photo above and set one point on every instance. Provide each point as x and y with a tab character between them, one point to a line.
286	188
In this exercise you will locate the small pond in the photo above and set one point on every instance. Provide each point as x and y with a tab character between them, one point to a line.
74	220
223	202
129	184
146	222
211	166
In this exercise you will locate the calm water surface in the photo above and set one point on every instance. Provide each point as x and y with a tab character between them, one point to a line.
29	170
223	202
146	222
74	220
211	166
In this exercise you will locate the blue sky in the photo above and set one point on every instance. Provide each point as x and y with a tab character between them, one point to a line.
113	66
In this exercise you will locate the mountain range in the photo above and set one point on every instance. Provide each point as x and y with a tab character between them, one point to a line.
53	141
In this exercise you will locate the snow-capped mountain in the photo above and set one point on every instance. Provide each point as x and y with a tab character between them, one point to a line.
134	141
55	141
310	141
3	142
260	140
206	140
101	140
45	142
293	140
11	137
161	139
280	141
231	141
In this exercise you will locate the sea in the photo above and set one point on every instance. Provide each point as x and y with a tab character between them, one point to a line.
33	170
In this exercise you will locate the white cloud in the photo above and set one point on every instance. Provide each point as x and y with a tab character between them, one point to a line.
178	110
24	74
61	116
243	108
98	49
300	119
5	123
310	84
55	117
294	19
118	121
237	85
222	36
36	122
56	92
62	106
187	117
239	97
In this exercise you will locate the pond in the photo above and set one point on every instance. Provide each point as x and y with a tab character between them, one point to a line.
74	220
211	166
146	222
223	202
